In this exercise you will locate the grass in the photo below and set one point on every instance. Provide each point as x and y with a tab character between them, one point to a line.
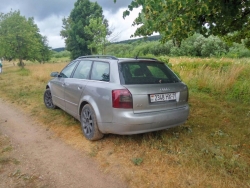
210	150
224	78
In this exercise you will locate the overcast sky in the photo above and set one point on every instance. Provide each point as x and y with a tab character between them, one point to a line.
48	15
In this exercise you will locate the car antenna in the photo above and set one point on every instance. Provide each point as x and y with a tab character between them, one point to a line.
136	57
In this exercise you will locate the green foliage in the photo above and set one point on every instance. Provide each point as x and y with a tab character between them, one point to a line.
120	50
180	19
137	161
213	46
195	46
211	64
24	72
45	50
76	39
97	31
238	51
58	49
240	90
60	54
20	39
143	39
7	149
220	79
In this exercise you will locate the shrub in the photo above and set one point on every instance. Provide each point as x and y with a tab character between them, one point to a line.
238	51
213	46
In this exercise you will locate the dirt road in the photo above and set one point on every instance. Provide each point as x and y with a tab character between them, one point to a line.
44	158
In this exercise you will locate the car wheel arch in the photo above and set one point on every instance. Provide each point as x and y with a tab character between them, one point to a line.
90	101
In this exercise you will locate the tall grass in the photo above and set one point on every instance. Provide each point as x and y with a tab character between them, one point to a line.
222	78
42	74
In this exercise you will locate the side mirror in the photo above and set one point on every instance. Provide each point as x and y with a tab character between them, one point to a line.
54	74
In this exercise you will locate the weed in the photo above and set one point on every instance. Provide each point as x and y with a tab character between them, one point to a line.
94	151
137	161
8	148
5	160
24	72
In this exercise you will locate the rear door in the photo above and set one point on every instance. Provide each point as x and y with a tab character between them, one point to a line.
154	86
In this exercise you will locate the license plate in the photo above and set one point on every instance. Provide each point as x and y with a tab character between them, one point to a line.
162	97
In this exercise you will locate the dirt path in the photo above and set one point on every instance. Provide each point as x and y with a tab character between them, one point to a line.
41	155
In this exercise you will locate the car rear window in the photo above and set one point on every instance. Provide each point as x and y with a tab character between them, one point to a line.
146	72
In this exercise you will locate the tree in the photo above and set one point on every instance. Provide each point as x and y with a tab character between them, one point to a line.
180	19
76	39
19	38
45	50
97	31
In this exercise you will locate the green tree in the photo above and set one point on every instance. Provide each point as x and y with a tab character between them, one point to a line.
179	19
97	31
19	38
213	46
73	27
45	50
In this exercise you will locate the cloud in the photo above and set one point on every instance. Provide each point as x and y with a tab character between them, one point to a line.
113	8
48	15
39	9
122	26
51	27
45	8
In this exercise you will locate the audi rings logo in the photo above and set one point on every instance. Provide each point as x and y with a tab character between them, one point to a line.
164	89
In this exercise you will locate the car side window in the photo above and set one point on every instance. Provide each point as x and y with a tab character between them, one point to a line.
83	69
67	71
100	71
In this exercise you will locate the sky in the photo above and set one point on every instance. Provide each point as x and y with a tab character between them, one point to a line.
48	15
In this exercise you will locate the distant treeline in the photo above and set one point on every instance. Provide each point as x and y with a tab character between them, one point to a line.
58	49
194	46
151	38
144	39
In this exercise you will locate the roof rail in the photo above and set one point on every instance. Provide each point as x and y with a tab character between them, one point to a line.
98	56
146	58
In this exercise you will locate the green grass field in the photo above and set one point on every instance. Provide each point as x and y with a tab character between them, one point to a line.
212	149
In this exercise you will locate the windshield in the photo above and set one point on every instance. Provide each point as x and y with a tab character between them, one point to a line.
146	72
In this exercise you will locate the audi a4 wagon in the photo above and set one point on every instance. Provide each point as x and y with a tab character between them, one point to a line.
119	95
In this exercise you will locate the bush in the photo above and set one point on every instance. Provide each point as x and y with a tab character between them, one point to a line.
194	46
238	51
213	46
61	54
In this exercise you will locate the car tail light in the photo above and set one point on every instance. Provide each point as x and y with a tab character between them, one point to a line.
122	98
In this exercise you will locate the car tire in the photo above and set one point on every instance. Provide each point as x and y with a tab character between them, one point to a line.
47	98
89	123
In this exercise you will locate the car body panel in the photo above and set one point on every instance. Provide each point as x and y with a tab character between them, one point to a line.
57	91
141	96
72	94
126	122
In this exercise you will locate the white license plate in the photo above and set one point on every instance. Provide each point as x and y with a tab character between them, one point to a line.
162	97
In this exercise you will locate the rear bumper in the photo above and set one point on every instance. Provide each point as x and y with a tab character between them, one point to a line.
126	122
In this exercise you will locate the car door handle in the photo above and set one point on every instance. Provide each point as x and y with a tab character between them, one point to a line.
79	87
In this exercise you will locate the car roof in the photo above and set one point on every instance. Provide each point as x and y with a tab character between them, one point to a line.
105	57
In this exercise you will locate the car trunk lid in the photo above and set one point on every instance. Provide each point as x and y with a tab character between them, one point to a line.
157	97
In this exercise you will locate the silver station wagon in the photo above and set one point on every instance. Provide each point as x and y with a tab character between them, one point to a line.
119	95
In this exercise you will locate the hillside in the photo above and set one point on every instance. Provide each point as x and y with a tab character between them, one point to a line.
151	38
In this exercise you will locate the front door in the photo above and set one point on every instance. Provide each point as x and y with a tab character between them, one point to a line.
75	85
